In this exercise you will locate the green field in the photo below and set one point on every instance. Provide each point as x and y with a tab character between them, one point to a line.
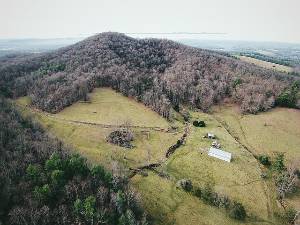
170	205
110	107
265	64
90	140
277	130
240	179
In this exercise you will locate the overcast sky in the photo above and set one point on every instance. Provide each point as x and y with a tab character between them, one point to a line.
261	20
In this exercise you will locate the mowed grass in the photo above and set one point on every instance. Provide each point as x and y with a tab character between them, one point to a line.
110	107
277	130
265	64
240	179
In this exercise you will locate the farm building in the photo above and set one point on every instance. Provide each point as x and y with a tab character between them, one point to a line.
209	135
220	154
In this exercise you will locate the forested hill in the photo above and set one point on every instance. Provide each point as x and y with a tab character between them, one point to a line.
41	183
162	74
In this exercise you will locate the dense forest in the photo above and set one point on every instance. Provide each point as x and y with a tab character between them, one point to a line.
42	183
160	73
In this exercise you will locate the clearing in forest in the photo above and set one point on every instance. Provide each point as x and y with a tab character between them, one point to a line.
111	109
239	180
106	106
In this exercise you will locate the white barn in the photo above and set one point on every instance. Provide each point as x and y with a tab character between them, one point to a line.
220	154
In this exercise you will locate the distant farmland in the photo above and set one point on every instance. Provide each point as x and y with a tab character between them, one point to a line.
265	64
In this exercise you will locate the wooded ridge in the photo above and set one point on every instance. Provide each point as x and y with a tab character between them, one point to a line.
162	74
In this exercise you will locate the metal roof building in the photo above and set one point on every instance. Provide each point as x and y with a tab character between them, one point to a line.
220	154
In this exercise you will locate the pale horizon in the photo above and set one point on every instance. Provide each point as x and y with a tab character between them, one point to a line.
256	20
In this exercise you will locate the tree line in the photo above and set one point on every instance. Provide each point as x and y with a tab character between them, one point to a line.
41	182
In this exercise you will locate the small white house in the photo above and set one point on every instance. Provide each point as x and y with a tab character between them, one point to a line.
220	154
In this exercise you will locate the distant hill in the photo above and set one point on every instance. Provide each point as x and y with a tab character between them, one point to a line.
162	74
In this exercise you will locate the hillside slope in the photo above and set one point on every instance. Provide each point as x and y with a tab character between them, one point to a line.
42	183
161	73
239	180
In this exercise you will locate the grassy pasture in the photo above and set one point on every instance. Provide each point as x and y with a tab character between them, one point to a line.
265	64
240	180
277	130
110	107
171	205
90	140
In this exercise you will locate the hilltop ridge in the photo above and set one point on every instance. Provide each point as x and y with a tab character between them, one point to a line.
162	74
